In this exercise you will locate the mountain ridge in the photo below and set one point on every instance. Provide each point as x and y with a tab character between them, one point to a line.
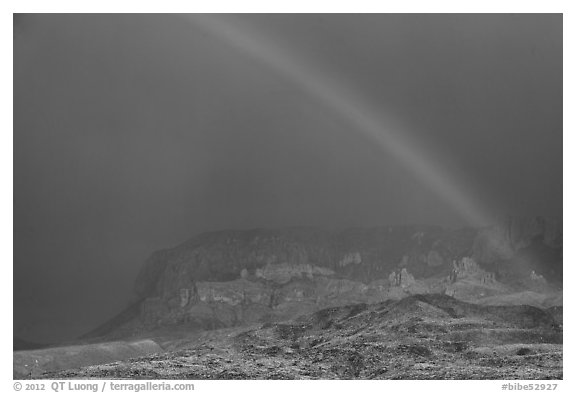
225	278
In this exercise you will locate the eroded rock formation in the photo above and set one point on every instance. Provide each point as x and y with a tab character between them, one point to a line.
469	269
401	279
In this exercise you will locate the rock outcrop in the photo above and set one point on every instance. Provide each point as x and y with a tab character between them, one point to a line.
470	282
467	268
401	279
354	258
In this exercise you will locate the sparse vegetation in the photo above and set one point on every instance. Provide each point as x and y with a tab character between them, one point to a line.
414	338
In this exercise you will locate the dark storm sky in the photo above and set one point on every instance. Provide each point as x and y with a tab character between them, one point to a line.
133	133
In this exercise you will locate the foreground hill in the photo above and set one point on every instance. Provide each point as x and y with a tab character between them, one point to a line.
418	337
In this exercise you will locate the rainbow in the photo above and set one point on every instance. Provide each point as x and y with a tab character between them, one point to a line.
344	102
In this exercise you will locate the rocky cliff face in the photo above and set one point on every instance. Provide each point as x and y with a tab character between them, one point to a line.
280	255
232	278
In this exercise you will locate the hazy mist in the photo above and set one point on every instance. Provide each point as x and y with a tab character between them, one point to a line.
134	132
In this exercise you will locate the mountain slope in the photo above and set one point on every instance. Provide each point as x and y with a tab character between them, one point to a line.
418	337
232	278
